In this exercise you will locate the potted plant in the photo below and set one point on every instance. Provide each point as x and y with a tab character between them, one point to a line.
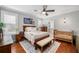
1	31
1	25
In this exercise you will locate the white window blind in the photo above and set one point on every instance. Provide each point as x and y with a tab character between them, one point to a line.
9	19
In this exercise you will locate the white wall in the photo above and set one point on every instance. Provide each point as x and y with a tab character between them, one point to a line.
72	22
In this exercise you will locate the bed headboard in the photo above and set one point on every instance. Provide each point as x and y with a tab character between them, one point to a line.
24	27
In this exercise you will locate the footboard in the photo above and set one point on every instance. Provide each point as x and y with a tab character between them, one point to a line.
36	40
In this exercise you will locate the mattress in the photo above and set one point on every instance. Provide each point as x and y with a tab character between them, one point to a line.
32	36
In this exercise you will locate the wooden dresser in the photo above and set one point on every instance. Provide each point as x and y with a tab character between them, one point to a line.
5	48
44	28
5	44
20	36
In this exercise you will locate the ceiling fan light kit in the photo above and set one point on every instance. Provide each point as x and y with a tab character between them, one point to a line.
43	13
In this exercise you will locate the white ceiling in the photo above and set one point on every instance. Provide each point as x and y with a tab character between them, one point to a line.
59	9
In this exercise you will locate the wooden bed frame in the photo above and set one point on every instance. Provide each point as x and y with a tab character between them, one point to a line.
36	40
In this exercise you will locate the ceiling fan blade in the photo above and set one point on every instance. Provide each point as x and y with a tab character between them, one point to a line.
50	10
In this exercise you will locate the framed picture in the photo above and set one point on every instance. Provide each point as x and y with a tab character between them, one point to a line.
27	21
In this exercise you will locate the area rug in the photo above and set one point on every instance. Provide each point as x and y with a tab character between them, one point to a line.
31	49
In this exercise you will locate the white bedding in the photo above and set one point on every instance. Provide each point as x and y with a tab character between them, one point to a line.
32	36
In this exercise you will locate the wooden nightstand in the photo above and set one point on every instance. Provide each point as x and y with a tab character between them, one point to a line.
44	28
20	37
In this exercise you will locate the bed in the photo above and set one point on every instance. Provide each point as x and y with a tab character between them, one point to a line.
33	35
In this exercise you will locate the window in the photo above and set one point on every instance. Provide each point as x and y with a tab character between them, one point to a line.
9	19
10	22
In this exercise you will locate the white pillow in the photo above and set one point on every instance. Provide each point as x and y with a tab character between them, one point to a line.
33	29
30	29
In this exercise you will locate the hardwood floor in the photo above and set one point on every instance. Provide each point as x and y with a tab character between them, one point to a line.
66	48
16	48
63	48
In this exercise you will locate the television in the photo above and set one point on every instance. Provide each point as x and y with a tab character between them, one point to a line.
27	21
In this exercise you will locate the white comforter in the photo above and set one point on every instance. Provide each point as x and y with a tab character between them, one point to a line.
32	36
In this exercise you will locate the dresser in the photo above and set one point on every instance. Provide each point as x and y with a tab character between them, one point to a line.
5	44
43	28
20	36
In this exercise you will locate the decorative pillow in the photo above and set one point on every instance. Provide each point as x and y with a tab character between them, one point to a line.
26	29
33	29
30	29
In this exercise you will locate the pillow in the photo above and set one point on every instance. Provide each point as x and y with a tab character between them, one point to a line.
30	29
33	29
27	29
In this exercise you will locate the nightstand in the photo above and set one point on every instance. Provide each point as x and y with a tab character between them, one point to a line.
20	36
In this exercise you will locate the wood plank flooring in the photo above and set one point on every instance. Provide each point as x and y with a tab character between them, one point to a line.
63	48
17	48
66	48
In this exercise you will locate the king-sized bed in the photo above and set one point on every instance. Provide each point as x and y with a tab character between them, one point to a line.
33	35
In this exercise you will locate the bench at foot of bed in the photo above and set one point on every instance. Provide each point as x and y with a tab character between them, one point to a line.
43	43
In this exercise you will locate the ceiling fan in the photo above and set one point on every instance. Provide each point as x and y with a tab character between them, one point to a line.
45	10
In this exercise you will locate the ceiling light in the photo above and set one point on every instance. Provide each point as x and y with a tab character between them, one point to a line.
43	13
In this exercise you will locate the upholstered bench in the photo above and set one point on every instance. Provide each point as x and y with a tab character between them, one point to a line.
43	43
